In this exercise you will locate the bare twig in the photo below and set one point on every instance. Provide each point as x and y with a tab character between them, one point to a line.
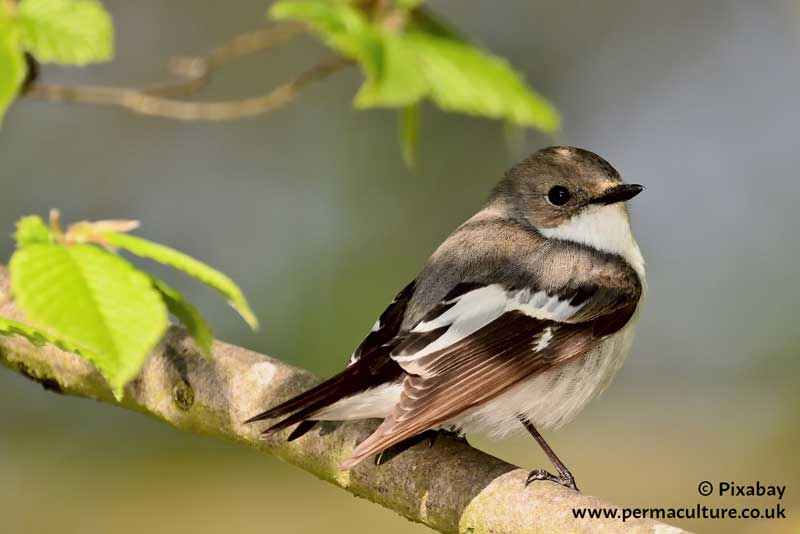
152	100
450	487
196	71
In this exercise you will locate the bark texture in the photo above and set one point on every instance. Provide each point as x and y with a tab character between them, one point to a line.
450	487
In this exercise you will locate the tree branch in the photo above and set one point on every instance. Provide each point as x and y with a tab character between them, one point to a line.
195	72
450	487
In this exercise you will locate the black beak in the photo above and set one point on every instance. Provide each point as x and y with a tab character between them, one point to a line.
619	193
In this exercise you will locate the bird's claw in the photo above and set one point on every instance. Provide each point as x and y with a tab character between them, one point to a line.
565	479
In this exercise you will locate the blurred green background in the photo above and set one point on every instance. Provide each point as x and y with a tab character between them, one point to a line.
312	210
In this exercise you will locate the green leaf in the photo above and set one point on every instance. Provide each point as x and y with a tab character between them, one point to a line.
183	262
327	17
397	82
32	230
10	327
74	32
422	20
409	133
426	59
343	27
409	4
93	300
466	79
392	79
188	315
12	65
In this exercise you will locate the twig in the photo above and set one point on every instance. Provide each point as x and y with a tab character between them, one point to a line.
151	100
450	487
197	70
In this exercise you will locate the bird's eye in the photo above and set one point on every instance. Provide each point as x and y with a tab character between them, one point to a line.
558	195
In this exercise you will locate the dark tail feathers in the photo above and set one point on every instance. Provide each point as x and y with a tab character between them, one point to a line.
362	375
305	404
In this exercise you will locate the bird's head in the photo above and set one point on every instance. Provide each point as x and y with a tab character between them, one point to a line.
557	184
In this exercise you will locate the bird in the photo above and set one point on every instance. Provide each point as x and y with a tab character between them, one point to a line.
519	319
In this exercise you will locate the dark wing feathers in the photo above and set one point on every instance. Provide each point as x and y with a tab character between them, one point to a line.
388	323
370	367
479	367
473	371
614	321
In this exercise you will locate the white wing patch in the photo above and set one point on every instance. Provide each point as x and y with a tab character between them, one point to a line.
477	308
543	340
377	326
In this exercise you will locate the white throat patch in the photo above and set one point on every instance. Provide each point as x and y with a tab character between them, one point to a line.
605	228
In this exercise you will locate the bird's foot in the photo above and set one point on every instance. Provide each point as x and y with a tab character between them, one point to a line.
565	479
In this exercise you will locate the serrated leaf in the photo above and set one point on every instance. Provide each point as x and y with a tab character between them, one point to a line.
343	27
397	82
425	59
74	32
93	300
10	327
188	315
423	20
194	268
466	79
389	70
327	17
32	230
409	133
12	66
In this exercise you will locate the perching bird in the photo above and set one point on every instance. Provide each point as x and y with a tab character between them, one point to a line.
519	319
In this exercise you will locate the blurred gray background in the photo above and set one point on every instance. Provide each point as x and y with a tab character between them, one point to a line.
312	211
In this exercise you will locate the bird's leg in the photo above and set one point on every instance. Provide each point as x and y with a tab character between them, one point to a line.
564	477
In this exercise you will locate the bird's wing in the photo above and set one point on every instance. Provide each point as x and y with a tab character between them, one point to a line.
370	366
481	340
387	327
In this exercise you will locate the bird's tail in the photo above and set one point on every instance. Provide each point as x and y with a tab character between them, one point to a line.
360	376
304	405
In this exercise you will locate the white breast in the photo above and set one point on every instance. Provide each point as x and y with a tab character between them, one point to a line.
554	397
605	228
